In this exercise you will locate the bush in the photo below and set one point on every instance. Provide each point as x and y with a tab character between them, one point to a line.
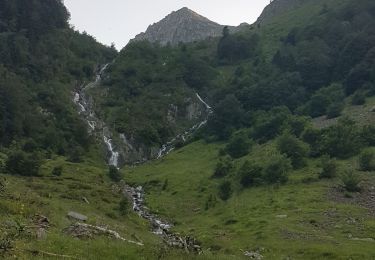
329	168
351	181
250	174
334	110
124	206
368	135
359	98
57	171
223	167
276	170
367	160
294	149
21	163
114	174
75	154
225	190
239	145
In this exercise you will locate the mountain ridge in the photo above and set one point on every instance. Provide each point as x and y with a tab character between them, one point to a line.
183	25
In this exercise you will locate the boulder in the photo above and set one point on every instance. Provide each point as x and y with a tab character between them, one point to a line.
77	216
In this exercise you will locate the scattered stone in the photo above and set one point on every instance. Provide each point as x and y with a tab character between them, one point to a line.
253	255
77	216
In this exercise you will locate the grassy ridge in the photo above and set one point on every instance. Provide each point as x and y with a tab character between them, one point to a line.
54	197
298	220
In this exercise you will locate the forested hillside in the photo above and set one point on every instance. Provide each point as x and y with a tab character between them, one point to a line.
270	132
42	61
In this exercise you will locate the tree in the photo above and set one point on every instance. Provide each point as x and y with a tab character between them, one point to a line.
351	181
124	206
114	174
367	160
329	168
239	145
20	163
225	190
223	167
250	174
276	169
342	140
293	148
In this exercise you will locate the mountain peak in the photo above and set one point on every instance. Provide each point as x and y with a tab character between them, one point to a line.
183	25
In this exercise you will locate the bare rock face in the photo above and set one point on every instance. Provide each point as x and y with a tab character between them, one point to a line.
183	26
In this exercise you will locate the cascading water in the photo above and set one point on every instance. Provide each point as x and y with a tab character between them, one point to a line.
113	160
170	146
160	227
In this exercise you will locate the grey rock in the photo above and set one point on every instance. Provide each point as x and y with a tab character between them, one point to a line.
183	26
77	216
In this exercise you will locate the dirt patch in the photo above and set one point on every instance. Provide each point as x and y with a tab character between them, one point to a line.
365	198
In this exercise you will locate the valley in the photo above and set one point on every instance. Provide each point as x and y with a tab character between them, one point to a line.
195	141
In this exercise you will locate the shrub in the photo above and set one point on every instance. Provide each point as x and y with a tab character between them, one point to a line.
21	163
238	146
334	110
293	148
225	190
359	98
57	171
223	167
114	174
367	160
124	206
342	140
351	181
75	154
250	174
276	170
368	135
329	168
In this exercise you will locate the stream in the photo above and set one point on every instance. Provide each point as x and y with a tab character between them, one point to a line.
160	227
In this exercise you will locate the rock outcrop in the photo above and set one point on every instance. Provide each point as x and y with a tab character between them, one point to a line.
184	26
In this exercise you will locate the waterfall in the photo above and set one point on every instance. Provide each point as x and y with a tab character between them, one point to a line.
113	160
170	146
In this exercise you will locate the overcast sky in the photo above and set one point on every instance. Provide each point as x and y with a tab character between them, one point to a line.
119	21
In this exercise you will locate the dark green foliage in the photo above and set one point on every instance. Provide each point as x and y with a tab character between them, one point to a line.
232	48
342	140
21	163
334	110
211	202
329	168
57	171
250	174
367	160
313	137
368	135
276	169
223	167
75	154
351	181
165	184
124	206
359	98
239	145
228	116
225	190
114	174
293	148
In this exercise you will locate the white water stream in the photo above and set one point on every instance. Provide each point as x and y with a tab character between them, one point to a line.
160	227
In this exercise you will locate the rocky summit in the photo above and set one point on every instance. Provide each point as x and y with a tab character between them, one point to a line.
183	25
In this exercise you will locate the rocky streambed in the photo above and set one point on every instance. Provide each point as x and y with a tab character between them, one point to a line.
96	126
